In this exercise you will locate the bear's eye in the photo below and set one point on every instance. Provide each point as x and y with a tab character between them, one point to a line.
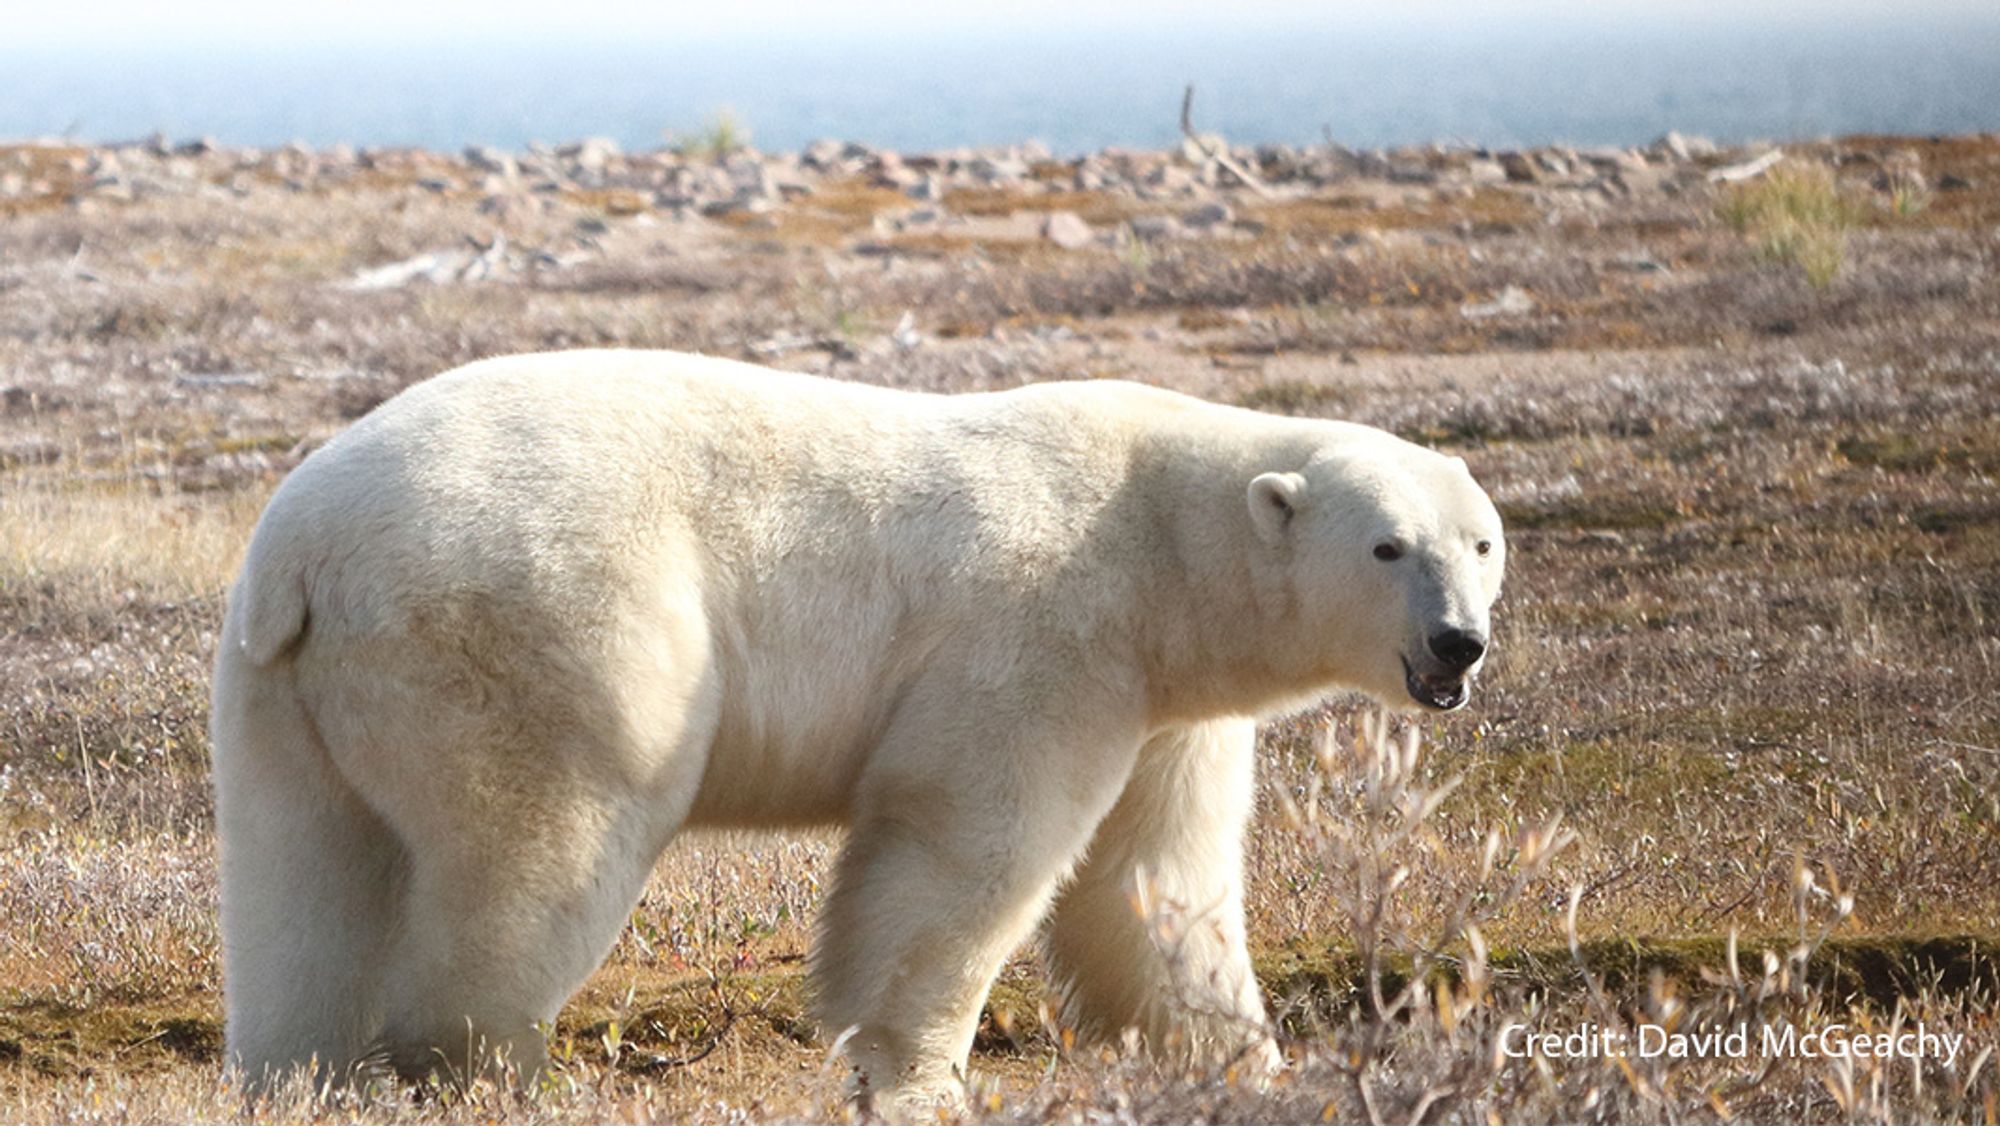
1388	552
1483	547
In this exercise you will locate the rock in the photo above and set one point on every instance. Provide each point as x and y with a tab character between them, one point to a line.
1067	230
742	204
438	267
928	188
997	171
825	154
592	155
1512	301
115	188
751	178
1487	172
1701	147
1211	214
1278	163
1196	149
1154	228
1407	173
1610	158
1167	182
487	158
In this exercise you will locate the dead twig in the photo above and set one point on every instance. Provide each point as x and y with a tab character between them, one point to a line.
1216	152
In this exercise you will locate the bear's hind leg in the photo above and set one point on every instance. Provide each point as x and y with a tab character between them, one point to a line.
309	880
1175	841
502	921
953	853
524	865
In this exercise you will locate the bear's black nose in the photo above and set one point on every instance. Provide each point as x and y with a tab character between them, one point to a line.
1458	648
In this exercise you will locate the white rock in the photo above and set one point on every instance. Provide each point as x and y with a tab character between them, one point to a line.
1067	230
1512	301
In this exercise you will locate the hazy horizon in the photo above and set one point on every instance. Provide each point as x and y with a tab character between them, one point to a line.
1508	75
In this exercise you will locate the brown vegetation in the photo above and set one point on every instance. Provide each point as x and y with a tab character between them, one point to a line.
1747	653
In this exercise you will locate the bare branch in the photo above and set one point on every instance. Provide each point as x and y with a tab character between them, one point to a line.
1216	152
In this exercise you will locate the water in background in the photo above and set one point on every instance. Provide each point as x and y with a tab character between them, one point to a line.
1599	83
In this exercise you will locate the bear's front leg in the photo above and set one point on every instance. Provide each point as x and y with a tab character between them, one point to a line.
959	839
1150	934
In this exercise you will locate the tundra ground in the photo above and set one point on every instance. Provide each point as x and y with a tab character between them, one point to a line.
1749	651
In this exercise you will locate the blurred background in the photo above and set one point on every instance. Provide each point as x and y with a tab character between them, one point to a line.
1074	76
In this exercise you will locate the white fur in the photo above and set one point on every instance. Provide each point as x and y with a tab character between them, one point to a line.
495	644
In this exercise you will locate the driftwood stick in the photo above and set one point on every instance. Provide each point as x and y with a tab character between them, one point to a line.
1216	153
1747	170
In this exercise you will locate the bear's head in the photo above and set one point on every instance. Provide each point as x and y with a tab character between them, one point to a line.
1391	557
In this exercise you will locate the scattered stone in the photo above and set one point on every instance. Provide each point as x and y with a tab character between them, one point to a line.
1067	230
1677	146
1519	169
222	379
1640	264
1154	228
1486	172
1197	149
825	154
1512	301
1204	216
999	172
487	158
438	268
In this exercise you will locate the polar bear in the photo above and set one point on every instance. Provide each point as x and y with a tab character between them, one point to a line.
495	644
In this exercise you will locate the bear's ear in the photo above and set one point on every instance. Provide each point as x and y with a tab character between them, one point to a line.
1274	500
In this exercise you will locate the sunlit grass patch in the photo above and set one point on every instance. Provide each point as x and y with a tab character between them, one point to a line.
1798	214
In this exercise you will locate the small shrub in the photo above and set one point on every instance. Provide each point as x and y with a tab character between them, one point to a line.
721	136
1796	214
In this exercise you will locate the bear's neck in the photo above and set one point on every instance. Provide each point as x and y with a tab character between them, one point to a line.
1218	629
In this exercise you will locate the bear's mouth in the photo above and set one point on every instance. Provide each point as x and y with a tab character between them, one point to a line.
1443	693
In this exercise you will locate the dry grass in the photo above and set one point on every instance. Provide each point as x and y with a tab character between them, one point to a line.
1750	624
1799	214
